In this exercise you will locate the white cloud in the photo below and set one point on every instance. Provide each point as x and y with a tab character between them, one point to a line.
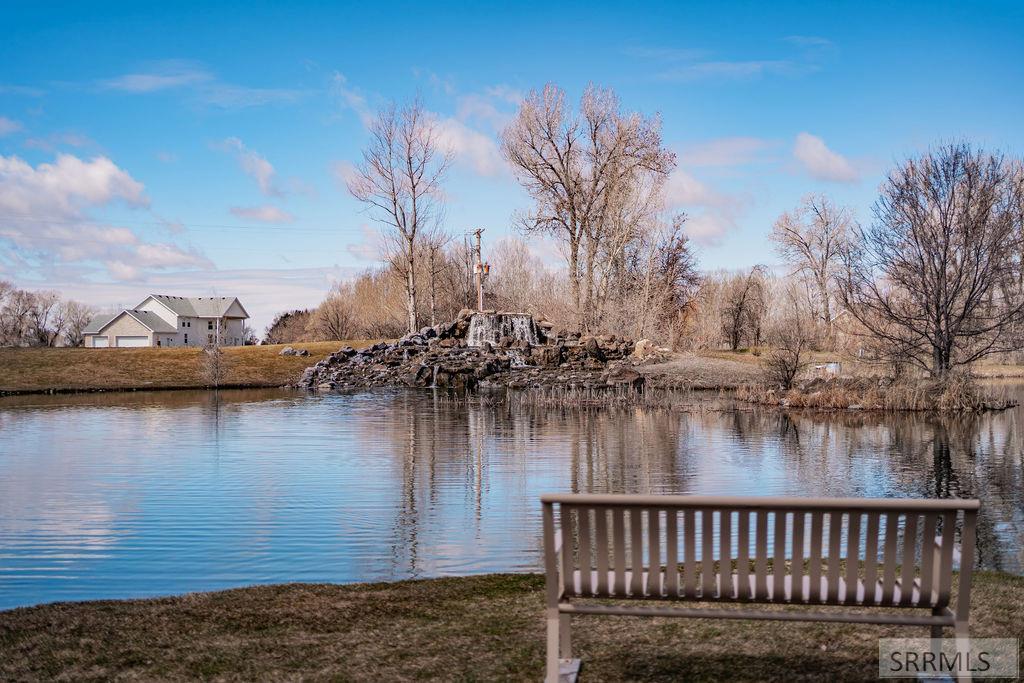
471	146
61	188
205	86
710	214
735	70
733	151
121	271
368	248
262	214
254	165
344	172
163	76
821	162
43	216
352	98
8	126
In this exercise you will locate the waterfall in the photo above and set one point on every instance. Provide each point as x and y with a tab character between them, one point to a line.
491	327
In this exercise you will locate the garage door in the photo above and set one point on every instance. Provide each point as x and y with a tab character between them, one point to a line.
132	341
100	342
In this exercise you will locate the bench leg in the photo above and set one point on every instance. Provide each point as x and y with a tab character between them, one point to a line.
551	675
565	636
963	645
936	630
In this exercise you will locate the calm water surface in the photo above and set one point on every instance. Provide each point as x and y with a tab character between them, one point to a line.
127	495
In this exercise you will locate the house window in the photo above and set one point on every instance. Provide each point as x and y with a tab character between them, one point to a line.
209	324
209	339
186	339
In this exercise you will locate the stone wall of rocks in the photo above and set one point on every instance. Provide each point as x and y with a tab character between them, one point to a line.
440	357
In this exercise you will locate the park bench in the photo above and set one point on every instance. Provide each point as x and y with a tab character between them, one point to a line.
631	554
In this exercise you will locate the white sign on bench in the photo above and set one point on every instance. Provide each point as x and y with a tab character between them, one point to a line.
819	552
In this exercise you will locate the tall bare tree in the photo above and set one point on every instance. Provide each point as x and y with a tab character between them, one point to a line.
810	239
574	165
399	179
937	275
743	304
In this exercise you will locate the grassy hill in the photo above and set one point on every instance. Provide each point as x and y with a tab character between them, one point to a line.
79	369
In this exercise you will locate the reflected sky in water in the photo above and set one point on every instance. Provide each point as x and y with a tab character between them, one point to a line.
128	495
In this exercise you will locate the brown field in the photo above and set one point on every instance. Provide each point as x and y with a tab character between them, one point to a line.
482	628
79	369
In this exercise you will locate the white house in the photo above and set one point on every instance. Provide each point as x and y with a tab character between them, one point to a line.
162	320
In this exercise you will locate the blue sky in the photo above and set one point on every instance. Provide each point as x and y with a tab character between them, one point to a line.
196	150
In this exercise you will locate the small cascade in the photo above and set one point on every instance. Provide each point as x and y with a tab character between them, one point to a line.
491	327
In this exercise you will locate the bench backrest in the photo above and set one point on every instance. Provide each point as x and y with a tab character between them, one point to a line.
830	551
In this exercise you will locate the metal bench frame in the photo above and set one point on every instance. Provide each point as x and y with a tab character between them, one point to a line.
588	556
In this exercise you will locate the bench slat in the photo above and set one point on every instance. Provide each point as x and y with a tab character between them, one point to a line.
928	559
671	553
619	549
852	558
779	555
583	519
654	586
761	555
743	556
567	549
707	570
690	555
636	540
601	549
815	559
835	530
889	557
946	558
871	557
909	561
725	589
797	563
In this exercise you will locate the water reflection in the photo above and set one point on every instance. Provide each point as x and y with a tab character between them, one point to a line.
120	495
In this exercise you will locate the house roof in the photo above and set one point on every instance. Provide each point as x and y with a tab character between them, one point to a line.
147	318
199	306
99	322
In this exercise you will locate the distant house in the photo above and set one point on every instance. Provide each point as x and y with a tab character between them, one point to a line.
162	320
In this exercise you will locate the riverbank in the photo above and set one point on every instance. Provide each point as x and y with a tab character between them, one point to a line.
60	370
475	628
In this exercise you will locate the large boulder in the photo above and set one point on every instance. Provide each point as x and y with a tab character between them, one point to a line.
593	349
625	377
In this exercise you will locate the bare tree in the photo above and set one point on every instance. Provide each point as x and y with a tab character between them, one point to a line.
76	317
790	336
334	319
810	239
399	179
575	166
743	306
937	275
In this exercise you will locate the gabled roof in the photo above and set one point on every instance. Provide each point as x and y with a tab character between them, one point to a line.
198	306
99	322
146	318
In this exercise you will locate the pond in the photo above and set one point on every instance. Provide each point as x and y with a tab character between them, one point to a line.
141	494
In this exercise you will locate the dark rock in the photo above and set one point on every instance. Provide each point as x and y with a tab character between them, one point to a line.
623	377
286	351
593	349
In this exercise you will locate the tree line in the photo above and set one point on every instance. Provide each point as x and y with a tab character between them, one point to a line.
41	318
933	279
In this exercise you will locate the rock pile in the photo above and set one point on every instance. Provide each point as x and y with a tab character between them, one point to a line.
441	357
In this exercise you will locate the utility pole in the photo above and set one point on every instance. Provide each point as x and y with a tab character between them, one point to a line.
481	269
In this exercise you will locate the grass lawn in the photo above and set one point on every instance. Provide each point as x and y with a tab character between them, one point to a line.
153	368
478	628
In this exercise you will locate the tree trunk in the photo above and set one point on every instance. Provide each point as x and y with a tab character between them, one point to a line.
410	288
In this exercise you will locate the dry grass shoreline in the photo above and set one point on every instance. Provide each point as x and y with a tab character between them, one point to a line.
487	627
70	370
